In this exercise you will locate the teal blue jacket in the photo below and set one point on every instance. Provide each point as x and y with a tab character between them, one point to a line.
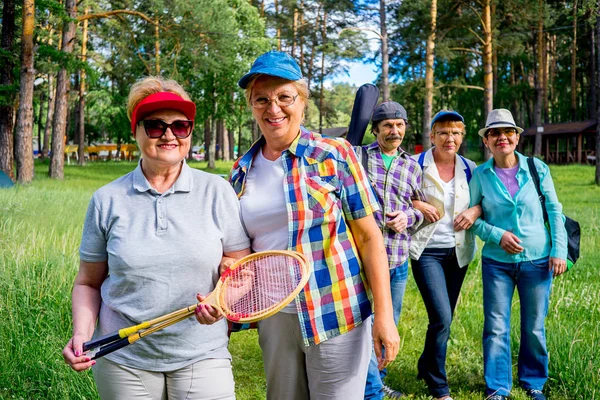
521	215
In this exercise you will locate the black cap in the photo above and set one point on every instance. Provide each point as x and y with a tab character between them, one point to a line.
388	110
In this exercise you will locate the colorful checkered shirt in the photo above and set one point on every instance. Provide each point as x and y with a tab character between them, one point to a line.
395	189
324	186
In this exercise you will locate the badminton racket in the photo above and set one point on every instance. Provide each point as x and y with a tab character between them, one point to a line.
253	288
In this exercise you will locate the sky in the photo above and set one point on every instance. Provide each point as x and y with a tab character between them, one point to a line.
359	74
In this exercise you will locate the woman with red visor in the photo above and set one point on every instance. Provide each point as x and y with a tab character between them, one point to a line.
152	240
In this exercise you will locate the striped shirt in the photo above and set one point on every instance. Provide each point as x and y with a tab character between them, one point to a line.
324	187
395	188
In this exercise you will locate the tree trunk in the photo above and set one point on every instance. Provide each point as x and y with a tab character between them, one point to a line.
206	137
231	143
39	119
574	66
239	144
49	115
82	75
57	160
545	78
226	142
321	91
593	100
24	133
295	31
537	150
156	46
488	76
598	113
212	147
277	27
6	79
384	52
429	60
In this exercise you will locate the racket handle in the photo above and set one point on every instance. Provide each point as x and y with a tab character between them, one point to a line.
109	348
92	344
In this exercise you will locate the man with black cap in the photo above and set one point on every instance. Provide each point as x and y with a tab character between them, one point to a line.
396	178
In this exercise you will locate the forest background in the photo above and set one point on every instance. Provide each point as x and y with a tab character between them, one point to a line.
67	66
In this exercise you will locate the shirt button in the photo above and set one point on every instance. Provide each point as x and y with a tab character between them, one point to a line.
160	216
159	201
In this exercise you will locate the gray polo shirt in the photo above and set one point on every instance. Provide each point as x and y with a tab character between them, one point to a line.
162	249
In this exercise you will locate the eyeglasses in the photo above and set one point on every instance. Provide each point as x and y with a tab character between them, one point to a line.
496	132
155	128
445	135
283	100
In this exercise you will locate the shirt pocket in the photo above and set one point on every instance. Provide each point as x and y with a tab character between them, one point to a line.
322	194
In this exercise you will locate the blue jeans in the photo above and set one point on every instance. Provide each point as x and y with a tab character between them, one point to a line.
533	280
439	279
374	386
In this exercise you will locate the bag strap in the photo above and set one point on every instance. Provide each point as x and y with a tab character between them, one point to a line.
364	159
421	160
467	168
536	181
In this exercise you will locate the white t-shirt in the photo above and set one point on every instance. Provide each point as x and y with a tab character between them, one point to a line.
443	237
264	210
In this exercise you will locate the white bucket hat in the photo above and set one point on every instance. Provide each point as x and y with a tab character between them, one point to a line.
499	118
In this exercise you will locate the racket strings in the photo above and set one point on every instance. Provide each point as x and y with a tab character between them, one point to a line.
260	285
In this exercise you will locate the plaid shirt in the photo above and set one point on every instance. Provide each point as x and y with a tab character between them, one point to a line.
324	186
395	189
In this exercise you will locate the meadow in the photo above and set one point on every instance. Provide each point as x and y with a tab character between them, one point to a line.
40	230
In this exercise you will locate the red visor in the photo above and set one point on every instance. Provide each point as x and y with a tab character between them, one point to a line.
161	101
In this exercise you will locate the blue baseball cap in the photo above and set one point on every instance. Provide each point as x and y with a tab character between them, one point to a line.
273	63
389	110
446	115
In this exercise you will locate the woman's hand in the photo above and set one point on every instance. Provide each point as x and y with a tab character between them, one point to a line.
430	213
73	354
467	218
558	265
205	313
226	262
386	341
398	221
510	243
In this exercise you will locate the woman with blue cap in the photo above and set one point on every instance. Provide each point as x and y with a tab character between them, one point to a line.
442	248
301	191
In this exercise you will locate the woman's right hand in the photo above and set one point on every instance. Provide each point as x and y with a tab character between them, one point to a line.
510	243
73	354
430	213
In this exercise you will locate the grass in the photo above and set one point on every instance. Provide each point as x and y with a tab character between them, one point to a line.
40	230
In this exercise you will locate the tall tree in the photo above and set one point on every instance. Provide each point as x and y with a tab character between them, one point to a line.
24	132
7	107
57	159
574	66
385	57
598	80
429	59
539	91
82	77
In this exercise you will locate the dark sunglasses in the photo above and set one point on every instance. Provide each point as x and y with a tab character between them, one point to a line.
155	128
496	132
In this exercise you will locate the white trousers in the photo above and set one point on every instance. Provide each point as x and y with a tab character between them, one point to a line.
205	380
334	369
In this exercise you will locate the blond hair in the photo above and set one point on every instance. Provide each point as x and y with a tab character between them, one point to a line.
301	86
150	85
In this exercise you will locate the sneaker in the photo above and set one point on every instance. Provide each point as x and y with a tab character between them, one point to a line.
496	397
535	394
391	393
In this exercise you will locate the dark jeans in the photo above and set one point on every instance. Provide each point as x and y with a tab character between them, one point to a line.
439	279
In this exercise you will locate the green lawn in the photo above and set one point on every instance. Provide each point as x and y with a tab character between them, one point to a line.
40	229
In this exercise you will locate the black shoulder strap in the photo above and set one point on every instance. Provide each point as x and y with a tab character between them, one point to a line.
364	159
536	181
